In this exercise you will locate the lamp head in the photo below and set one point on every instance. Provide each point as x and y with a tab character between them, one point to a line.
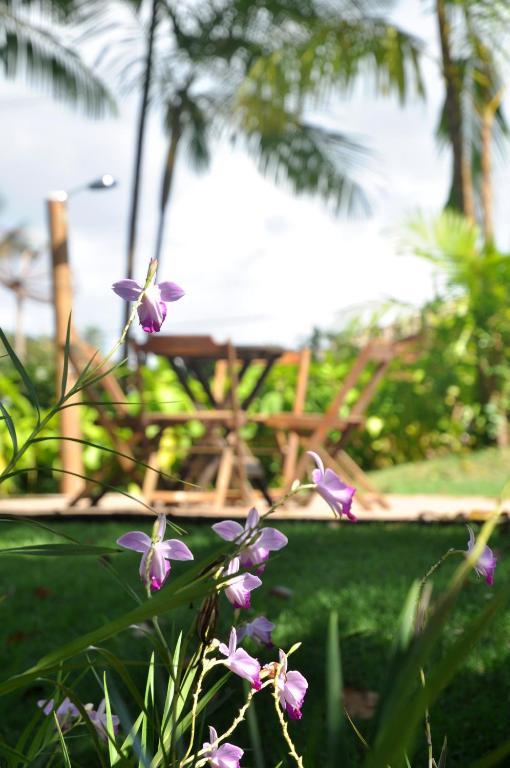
106	181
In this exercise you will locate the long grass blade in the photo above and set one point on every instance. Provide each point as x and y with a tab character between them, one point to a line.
149	707
113	750
63	745
409	702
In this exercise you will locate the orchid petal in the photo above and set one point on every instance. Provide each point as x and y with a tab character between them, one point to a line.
317	476
244	665
296	687
228	756
317	459
272	539
228	530
232	641
129	290
173	549
151	313
135	540
170	291
159	569
252	520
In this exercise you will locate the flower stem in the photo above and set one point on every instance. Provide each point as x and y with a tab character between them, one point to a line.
436	565
196	696
283	723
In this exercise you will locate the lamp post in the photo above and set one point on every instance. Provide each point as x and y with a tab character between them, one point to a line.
70	451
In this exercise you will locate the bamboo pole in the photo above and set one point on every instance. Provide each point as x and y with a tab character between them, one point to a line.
70	452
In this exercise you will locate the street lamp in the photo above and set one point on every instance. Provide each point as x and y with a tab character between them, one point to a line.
70	450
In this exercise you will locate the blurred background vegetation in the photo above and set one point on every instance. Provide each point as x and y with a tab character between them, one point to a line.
254	71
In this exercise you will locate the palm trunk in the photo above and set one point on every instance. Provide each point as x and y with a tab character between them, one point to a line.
461	196
167	182
140	136
486	169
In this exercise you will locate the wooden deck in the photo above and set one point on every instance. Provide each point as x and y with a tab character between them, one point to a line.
415	508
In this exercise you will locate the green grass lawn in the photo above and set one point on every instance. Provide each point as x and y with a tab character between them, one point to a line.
362	571
481	473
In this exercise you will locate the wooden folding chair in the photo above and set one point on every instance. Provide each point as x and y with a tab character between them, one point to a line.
312	431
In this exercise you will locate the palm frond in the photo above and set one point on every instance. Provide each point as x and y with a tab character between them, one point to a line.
311	160
34	52
334	54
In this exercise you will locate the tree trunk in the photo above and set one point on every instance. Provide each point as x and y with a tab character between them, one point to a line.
140	136
461	196
486	169
167	182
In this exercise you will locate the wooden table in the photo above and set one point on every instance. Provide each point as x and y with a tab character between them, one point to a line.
221	456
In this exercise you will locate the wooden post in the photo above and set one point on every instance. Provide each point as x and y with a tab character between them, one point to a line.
70	452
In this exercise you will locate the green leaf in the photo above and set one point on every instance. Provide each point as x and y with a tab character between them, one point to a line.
65	367
61	550
442	756
10	427
31	393
334	692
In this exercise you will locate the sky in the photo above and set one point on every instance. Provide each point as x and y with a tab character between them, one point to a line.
258	265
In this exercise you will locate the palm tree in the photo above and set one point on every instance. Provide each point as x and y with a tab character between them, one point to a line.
251	71
245	70
472	120
31	48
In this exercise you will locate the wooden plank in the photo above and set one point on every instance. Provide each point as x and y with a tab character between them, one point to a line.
292	448
402	508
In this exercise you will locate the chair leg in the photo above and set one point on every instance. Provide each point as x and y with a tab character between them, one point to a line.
224	477
151	477
290	461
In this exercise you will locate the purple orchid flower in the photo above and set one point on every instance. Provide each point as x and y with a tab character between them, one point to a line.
240	662
259	629
487	561
256	552
336	493
156	553
99	720
292	687
64	712
152	309
224	756
238	589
